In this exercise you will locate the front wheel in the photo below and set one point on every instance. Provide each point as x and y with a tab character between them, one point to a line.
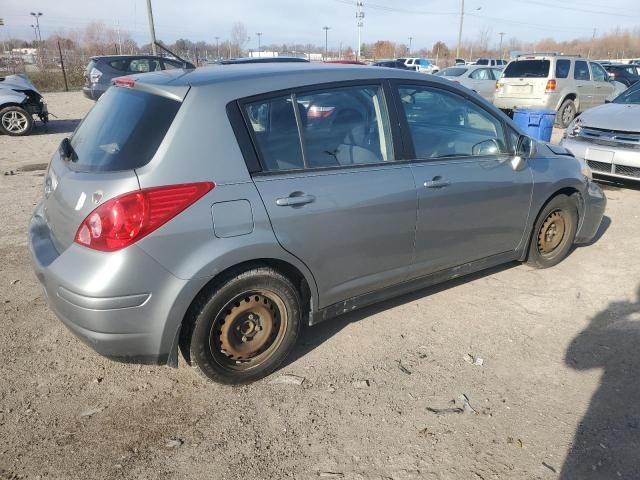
553	233
243	328
15	121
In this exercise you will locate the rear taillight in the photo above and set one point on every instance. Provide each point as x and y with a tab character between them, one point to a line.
497	85
94	75
124	82
320	112
125	219
551	86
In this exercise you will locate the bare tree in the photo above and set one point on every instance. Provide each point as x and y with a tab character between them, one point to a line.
239	37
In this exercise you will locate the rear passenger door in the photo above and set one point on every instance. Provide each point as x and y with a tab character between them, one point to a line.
335	195
472	204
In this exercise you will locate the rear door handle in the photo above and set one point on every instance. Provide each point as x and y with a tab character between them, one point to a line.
436	182
292	201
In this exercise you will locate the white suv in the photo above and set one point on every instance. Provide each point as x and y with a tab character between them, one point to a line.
566	84
421	65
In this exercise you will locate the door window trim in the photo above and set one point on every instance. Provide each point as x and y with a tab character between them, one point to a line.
253	156
407	139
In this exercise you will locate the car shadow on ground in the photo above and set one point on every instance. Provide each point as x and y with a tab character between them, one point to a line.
55	126
610	185
602	229
313	337
607	441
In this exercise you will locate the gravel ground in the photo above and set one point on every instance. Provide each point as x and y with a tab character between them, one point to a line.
512	374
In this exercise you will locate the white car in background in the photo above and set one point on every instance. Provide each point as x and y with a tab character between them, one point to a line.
421	65
479	78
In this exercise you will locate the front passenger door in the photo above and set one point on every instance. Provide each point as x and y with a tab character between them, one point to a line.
472	204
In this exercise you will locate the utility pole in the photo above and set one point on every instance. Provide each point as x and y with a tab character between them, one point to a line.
326	42
410	43
152	28
593	38
460	31
217	47
259	35
500	49
119	37
360	20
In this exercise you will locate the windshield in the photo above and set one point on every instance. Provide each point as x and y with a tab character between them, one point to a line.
452	72
122	131
629	96
527	68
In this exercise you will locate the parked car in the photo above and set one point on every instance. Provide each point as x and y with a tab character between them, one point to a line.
567	84
460	61
345	62
20	101
478	78
221	220
608	137
100	71
421	65
400	65
623	73
491	62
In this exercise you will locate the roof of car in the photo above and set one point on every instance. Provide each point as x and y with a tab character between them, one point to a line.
127	57
285	74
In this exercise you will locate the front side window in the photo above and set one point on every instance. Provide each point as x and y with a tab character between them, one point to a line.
444	124
562	68
599	75
334	128
581	71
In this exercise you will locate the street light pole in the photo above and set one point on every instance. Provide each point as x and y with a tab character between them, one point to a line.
217	47
259	34
360	19
37	26
460	31
410	42
326	41
501	35
152	28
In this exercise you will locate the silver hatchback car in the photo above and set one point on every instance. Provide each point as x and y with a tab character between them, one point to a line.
215	211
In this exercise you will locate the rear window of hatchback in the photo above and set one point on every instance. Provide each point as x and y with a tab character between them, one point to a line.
527	68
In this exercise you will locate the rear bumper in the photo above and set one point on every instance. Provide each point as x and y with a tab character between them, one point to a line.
124	305
544	102
92	93
606	161
595	203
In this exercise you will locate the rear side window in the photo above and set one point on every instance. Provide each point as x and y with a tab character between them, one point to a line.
482	74
90	65
123	130
482	61
122	65
337	127
527	68
562	68
581	71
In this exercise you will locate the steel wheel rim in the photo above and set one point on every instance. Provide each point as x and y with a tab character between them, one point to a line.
248	330
15	122
567	114
552	232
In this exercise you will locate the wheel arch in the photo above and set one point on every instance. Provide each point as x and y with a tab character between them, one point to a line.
570	191
569	96
302	281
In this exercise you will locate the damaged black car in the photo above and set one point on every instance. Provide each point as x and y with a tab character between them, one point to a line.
20	102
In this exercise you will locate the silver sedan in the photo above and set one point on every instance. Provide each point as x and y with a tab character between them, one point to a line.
479	78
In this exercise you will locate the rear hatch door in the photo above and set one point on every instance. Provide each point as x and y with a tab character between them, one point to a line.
122	132
525	78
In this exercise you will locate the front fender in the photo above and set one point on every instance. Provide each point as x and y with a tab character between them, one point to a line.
8	97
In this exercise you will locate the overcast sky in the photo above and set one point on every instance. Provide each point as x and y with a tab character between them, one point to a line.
301	21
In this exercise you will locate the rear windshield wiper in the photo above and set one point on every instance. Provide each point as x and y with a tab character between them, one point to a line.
66	150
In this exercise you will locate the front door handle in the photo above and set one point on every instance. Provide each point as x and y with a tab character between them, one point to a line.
436	182
295	200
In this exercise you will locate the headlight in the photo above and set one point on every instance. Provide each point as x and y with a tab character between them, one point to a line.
585	169
574	128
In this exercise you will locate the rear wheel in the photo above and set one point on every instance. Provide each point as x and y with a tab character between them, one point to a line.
566	113
242	329
553	233
15	121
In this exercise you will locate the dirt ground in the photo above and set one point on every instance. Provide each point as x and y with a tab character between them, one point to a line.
511	374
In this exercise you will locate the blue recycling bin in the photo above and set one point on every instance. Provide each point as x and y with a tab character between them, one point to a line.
535	123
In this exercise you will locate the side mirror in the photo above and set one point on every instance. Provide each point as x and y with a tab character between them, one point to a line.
612	77
525	149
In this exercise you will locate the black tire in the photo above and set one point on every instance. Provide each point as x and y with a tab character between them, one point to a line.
15	121
566	113
256	305
554	232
